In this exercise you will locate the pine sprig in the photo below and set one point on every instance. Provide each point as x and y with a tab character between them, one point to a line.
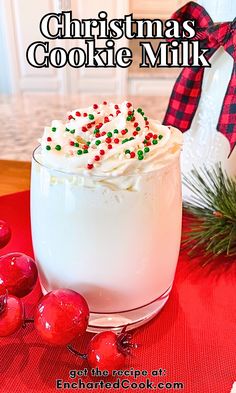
212	208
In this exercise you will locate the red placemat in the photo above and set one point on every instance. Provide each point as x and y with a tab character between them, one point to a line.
192	338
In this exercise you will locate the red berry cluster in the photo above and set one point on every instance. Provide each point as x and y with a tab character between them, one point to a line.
59	316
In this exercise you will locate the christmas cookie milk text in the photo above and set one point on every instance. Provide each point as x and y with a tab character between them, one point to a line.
177	51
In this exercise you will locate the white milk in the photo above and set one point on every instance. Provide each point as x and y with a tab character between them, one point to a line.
118	248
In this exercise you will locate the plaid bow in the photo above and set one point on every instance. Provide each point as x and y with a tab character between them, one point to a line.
187	89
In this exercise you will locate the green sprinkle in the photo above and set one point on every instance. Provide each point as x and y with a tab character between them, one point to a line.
145	141
72	131
97	142
128	118
96	131
145	118
140	152
139	110
48	147
116	131
127	151
146	149
76	144
54	129
90	116
160	136
142	113
124	140
85	151
131	138
58	147
138	129
67	129
155	142
79	152
88	143
109	134
140	157
126	129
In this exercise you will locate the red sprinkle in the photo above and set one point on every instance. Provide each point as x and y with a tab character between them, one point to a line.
78	113
70	117
72	143
95	106
132	154
96	158
130	113
118	112
116	140
103	133
102	152
116	106
108	140
135	124
84	129
147	122
98	135
135	133
109	147
123	132
148	143
104	102
106	120
150	134
155	136
49	139
128	104
89	125
90	166
85	114
99	125
147	137
85	147
111	114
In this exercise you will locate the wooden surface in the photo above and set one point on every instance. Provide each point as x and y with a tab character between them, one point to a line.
14	176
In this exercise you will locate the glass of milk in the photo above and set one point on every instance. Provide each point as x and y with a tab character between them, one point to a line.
115	239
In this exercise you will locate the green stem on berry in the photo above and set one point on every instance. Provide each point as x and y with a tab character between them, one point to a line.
75	352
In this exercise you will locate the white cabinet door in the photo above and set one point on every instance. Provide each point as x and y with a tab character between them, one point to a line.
102	81
21	27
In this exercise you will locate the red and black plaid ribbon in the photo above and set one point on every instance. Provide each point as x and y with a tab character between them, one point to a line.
187	89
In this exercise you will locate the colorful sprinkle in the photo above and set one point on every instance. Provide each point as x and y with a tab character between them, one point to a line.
79	152
91	116
54	129
58	147
48	147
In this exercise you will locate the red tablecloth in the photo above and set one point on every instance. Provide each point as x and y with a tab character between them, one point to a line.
193	337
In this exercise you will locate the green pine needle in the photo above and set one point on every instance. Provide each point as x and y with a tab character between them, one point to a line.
212	228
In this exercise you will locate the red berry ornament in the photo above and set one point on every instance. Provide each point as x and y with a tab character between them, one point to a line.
18	273
108	351
11	313
5	233
61	315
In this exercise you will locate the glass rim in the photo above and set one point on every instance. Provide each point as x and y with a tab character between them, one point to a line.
103	175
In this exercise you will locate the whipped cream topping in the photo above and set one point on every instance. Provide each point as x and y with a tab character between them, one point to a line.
109	140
